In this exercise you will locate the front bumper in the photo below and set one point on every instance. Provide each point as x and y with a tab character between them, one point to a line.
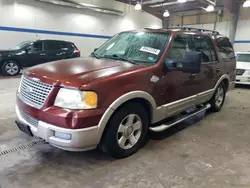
243	80
80	139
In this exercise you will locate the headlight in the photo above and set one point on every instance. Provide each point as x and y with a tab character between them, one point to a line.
75	99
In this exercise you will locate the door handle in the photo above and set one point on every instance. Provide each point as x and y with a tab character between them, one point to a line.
192	75
217	70
42	54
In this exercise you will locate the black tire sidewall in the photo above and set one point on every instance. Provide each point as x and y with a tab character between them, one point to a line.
110	138
6	73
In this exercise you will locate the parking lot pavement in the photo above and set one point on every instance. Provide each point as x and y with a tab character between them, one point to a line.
213	152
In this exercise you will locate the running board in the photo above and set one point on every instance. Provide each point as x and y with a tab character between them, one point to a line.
163	127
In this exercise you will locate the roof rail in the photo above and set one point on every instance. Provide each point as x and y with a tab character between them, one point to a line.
193	29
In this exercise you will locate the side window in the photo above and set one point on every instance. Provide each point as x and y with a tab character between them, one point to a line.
180	45
204	45
36	47
51	45
225	48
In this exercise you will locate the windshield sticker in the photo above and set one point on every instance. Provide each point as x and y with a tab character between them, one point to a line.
150	50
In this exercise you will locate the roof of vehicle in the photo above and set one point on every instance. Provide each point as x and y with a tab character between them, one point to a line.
53	40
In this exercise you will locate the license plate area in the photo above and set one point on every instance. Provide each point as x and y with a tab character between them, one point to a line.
24	128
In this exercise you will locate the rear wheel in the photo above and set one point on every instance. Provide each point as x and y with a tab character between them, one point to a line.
126	131
218	99
10	68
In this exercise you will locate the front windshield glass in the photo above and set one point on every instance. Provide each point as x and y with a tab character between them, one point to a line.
243	57
138	47
22	45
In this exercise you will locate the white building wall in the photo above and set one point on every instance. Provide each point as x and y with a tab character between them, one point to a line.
22	15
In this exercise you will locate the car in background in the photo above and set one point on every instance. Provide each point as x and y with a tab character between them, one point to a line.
32	53
243	68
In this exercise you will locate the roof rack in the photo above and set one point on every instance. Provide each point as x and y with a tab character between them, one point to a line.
194	29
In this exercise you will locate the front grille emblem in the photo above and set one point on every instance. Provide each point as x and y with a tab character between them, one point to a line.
29	89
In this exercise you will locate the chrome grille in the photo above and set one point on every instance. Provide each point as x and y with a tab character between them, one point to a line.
34	92
29	119
239	72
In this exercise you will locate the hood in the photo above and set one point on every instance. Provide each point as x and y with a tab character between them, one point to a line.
243	65
78	71
7	51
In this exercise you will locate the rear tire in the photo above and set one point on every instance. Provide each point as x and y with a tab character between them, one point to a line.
126	131
218	98
10	68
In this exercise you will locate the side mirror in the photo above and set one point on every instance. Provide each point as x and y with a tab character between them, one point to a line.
191	63
95	49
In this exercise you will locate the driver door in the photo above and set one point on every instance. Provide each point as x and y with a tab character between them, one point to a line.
33	54
176	85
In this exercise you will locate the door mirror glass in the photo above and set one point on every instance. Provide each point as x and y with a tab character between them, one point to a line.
190	63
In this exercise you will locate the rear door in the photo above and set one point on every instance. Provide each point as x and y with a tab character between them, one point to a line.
52	50
210	68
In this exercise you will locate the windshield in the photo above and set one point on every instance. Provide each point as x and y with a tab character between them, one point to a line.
22	45
243	57
136	47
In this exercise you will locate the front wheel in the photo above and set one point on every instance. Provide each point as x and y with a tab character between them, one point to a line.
218	99
126	131
10	68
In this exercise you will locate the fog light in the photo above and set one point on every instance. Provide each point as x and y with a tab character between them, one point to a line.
64	136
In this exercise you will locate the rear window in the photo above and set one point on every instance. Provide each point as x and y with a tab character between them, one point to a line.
225	48
67	46
243	57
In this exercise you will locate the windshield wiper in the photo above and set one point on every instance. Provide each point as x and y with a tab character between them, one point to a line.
117	57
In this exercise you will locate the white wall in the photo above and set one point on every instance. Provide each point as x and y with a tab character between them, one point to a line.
35	15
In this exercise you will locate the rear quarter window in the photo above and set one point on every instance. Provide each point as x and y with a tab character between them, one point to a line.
225	48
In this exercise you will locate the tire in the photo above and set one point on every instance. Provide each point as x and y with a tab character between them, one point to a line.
10	68
218	98
126	131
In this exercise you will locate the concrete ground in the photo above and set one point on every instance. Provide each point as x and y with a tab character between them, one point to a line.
213	152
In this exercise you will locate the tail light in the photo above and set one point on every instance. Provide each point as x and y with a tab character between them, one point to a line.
77	52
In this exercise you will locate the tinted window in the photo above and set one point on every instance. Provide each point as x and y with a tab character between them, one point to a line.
37	46
225	48
180	45
204	45
51	45
243	57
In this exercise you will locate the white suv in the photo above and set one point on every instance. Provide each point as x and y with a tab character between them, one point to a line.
243	68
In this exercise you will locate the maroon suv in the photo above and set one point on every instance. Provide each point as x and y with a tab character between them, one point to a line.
134	80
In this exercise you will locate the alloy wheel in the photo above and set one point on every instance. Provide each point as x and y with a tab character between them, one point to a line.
11	68
129	131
